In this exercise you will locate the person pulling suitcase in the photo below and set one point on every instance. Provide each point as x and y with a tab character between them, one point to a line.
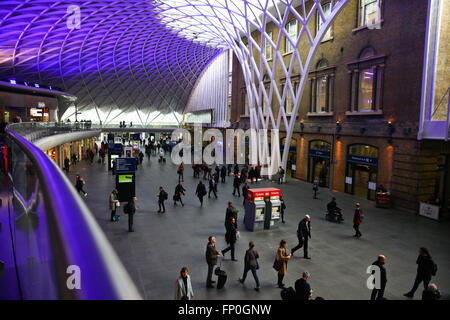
221	275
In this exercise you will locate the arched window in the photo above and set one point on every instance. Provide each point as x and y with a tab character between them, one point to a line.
367	76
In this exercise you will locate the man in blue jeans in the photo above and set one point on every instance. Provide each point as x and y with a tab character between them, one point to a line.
251	263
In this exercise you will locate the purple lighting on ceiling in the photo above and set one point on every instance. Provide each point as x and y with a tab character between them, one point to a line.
118	57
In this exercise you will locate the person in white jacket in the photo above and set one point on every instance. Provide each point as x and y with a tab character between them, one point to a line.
161	153
183	287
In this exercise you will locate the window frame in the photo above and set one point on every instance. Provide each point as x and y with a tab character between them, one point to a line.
362	23
267	45
315	76
329	34
286	41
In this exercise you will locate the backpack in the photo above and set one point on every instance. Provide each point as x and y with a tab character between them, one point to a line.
288	294
434	268
126	208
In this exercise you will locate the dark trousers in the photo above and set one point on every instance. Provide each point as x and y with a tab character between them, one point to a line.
201	200
130	222
303	244
377	294
180	177
253	270
356	227
230	247
81	190
113	213
238	191
280	279
161	205
282	215
214	191
209	276
418	280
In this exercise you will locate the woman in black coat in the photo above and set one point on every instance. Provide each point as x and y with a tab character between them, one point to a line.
179	190
200	192
230	238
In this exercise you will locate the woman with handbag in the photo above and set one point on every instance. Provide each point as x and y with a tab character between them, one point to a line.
280	263
179	190
251	263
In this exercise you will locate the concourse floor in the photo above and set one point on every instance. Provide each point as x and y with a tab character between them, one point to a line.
163	243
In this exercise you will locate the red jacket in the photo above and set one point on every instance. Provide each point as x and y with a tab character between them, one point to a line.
357	216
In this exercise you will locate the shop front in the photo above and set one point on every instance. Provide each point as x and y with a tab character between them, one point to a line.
319	154
362	171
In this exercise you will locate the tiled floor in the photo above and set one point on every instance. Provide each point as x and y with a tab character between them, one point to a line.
163	243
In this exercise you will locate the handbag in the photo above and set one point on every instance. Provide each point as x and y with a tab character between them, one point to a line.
277	264
238	234
117	204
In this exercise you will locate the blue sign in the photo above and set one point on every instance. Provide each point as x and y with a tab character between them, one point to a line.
370	161
125	165
115	148
319	153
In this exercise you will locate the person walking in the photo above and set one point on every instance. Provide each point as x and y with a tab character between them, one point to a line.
211	259
357	220
282	259
303	290
231	212
181	172
131	211
378	293
113	203
251	264
236	170
66	164
223	173
200	192
283	207
280	175
79	183
303	234
426	268
179	191
230	238
162	196
212	187
236	185
244	192
315	188
183	286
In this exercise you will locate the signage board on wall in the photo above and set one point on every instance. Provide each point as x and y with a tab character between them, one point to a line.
370	161
319	153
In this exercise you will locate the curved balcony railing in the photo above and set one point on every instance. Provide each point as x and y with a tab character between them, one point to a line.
58	249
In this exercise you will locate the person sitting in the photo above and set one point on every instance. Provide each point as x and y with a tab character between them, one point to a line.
333	209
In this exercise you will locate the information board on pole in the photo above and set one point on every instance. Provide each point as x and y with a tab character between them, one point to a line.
125	165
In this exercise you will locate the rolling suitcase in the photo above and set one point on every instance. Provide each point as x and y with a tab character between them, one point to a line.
221	276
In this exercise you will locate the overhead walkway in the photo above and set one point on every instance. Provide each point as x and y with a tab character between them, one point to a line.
51	245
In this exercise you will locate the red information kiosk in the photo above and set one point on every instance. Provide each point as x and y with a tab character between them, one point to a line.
262	209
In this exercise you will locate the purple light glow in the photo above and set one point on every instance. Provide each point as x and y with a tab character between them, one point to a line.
118	57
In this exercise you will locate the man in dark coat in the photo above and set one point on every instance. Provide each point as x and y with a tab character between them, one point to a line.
378	293
200	192
211	259
179	190
357	220
426	268
230	238
131	212
66	164
212	187
223	173
244	192
303	290
303	234
231	212
162	196
236	185
236	170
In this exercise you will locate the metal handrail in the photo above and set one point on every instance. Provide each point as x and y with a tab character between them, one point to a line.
76	237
